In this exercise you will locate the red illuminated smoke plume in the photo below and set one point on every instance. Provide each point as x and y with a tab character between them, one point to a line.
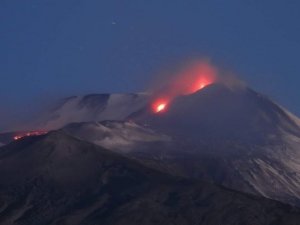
187	81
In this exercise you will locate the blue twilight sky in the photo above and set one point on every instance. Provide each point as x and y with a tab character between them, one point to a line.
55	48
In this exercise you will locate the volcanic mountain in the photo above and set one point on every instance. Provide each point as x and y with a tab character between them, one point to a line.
241	138
230	135
59	179
93	107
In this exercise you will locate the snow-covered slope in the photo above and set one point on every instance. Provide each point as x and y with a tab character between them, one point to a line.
94	107
116	135
233	136
251	142
58	179
229	135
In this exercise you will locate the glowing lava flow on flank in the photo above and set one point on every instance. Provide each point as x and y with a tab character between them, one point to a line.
28	134
188	81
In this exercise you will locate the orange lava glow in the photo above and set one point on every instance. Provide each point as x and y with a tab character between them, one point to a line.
188	80
200	84
159	106
192	79
28	134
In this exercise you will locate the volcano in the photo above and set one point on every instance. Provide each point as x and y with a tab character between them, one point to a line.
229	135
113	159
236	137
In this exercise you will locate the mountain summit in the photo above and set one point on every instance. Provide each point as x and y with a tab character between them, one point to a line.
112	156
230	135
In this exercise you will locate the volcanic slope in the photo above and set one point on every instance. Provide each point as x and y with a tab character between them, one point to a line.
58	179
230	135
92	107
236	137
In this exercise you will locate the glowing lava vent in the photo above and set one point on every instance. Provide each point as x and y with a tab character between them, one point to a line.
159	106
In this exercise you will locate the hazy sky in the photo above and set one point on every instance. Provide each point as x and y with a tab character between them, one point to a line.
55	48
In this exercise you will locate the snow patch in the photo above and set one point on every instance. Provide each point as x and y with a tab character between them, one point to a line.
121	136
98	107
291	115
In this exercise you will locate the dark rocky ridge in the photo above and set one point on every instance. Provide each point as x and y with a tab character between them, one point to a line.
58	179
